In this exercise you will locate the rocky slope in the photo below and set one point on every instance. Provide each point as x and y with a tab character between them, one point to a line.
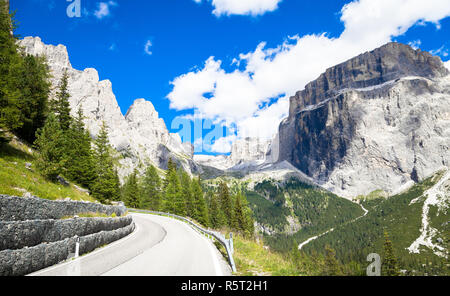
245	154
377	121
140	136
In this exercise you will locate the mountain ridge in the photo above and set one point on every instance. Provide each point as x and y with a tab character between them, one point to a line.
127	133
376	121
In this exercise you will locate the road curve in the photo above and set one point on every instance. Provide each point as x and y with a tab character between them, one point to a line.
159	246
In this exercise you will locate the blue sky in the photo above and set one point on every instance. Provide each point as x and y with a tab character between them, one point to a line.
235	62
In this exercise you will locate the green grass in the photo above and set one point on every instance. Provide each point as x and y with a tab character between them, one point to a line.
15	179
92	215
252	259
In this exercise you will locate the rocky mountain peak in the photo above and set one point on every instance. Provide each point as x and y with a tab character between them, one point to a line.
386	63
377	121
140	136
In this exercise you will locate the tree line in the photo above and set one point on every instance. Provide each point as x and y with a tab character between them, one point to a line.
178	193
65	146
67	149
24	85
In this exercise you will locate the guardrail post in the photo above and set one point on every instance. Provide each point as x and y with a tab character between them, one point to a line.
231	243
77	247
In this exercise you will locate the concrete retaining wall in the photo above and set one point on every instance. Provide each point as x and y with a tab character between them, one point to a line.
28	260
20	209
17	235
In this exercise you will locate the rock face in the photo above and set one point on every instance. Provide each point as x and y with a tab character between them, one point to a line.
245	154
140	136
375	122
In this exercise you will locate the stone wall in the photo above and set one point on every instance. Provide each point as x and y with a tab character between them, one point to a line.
20	209
33	236
27	260
20	234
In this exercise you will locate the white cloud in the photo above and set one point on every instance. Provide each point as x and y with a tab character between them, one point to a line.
103	9
147	47
442	51
447	64
242	7
415	44
222	145
239	96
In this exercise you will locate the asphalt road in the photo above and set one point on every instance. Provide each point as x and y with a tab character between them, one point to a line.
159	246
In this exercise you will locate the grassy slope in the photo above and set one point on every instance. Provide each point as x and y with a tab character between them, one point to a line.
15	178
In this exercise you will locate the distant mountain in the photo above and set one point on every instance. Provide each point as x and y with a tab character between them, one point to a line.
140	136
380	121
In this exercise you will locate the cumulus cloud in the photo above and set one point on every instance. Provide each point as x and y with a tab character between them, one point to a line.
103	9
255	94
242	7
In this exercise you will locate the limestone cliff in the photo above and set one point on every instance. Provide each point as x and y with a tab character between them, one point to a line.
140	137
378	121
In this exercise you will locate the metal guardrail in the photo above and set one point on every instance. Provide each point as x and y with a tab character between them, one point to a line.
227	243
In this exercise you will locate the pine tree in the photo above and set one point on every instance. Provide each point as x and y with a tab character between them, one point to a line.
79	164
180	202
106	186
61	105
216	216
33	82
239	219
51	157
332	266
200	204
173	192
151	187
186	184
389	265
131	192
226	202
10	114
250	222
171	166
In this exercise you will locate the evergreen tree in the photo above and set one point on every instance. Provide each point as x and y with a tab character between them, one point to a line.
180	202
106	186
61	105
79	164
216	216
226	202
186	184
131	191
51	157
10	115
171	167
151	187
173	199
239	219
389	265
250	222
34	85
332	266
200	205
